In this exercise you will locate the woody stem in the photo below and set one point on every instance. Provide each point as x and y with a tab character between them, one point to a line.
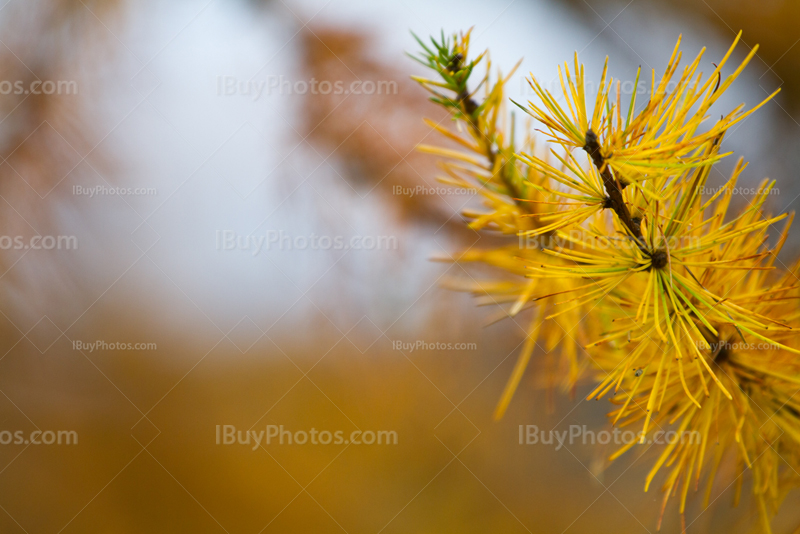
615	200
469	106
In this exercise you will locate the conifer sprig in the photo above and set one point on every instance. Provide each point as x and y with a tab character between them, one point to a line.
678	310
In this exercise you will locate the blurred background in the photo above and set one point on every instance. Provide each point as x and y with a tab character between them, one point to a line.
199	233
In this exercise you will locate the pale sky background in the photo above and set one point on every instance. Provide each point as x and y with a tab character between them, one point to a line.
236	163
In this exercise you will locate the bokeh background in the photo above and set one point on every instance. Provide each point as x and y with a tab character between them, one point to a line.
299	337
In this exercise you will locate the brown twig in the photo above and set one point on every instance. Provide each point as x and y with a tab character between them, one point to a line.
468	107
613	189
